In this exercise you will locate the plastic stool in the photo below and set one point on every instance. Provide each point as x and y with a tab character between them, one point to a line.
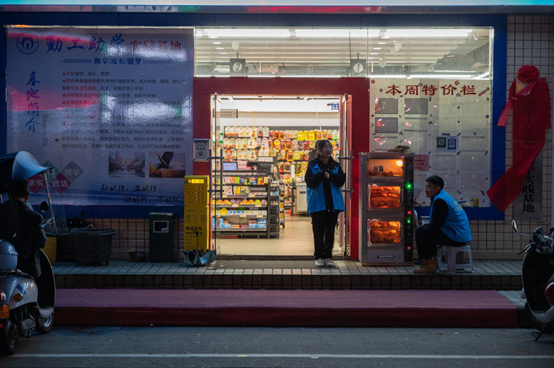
452	259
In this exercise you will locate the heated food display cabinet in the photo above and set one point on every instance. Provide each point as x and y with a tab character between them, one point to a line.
386	210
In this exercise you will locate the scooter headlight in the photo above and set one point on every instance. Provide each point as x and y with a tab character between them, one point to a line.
3	297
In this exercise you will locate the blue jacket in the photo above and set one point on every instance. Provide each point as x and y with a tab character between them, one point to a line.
315	186
456	224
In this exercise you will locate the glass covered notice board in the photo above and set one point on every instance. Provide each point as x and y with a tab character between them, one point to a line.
446	123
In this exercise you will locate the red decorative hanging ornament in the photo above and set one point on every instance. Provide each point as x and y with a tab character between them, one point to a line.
530	99
528	74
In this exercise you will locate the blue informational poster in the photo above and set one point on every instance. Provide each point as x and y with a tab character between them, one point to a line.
109	108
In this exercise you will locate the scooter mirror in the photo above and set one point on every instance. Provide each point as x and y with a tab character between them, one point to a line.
514	226
44	207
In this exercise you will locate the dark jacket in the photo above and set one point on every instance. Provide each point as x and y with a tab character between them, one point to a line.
33	239
315	177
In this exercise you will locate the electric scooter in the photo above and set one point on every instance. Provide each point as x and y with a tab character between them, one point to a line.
537	276
26	303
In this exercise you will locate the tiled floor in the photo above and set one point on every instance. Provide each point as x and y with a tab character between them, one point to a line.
497	275
296	239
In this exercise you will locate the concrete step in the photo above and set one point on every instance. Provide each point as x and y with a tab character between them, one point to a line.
285	308
281	275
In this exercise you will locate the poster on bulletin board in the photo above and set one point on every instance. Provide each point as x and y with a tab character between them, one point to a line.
109	108
421	163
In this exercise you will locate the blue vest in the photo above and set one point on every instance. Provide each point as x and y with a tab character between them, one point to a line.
316	197
456	225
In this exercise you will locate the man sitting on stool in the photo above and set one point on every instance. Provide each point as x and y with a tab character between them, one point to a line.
448	226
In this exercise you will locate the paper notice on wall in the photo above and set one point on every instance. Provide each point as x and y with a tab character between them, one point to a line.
110	108
421	163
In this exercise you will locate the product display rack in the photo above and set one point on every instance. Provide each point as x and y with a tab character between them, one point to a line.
290	145
244	206
282	203
274	221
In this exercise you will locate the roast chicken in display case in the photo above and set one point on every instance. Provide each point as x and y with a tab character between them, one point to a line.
389	232
387	203
384	196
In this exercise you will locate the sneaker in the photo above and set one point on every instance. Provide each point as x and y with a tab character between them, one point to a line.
329	262
319	262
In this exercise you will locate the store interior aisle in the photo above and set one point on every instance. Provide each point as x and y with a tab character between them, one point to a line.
296	239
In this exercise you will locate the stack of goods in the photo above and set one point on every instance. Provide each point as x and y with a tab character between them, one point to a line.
241	202
385	232
252	224
385	197
240	213
243	180
289	146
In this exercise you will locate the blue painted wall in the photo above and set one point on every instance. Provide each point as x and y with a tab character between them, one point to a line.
499	22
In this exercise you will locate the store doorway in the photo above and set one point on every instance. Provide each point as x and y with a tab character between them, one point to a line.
262	145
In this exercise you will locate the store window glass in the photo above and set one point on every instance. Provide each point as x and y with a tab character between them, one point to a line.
461	53
446	122
430	88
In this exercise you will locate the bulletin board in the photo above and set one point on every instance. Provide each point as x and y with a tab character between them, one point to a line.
109	108
446	122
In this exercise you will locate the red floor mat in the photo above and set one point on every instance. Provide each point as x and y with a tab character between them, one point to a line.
318	308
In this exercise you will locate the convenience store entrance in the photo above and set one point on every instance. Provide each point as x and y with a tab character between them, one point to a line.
259	195
207	92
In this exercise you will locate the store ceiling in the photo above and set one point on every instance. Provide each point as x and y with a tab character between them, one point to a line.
389	47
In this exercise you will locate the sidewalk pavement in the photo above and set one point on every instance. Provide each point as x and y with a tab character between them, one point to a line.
285	308
287	293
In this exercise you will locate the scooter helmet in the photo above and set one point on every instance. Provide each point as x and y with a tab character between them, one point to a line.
8	256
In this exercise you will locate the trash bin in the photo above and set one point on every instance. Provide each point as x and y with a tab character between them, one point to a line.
161	237
65	248
92	246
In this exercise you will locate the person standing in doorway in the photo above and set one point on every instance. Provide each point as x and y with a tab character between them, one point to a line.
324	177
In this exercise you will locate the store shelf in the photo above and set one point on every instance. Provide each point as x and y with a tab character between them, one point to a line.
244	172
248	229
257	195
239	206
243	185
242	216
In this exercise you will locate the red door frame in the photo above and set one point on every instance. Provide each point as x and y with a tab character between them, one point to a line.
358	88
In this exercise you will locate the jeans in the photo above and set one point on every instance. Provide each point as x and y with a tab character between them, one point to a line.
427	241
323	226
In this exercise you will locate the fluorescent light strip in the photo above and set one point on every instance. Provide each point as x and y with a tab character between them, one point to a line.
482	76
377	76
440	76
428	33
214	33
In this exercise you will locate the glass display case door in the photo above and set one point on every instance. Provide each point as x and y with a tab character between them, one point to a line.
216	167
345	159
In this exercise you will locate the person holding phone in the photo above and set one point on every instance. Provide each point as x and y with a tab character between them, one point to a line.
324	178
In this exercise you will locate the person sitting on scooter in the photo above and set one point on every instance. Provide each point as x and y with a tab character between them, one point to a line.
33	238
448	226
